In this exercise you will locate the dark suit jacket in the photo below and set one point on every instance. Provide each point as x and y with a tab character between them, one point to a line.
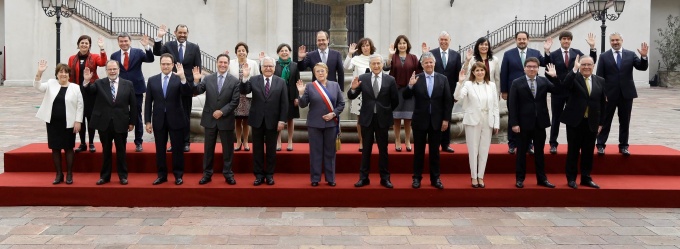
225	101
619	83
386	101
573	113
170	106
134	71
192	55
334	62
272	109
123	112
557	59
512	68
525	110
453	65
440	103
292	80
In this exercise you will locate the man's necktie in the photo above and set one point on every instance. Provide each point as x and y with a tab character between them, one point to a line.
165	86
618	60
444	59
376	91
430	87
588	87
533	87
181	53
113	91
566	58
522	57
323	57
220	82
266	88
126	60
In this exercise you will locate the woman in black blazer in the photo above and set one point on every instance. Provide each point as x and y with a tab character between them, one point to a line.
286	69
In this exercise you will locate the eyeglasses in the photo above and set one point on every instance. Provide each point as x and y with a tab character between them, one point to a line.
587	65
268	66
531	67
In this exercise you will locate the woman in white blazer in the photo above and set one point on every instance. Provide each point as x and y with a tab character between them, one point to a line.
62	110
481	119
482	53
358	59
243	109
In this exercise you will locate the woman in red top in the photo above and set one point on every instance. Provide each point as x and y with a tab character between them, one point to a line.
78	62
401	64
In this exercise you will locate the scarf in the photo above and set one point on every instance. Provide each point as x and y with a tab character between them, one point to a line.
285	70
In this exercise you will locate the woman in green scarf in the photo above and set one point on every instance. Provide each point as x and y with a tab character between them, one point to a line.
286	69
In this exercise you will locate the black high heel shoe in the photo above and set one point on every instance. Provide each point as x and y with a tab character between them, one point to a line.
239	147
92	148
409	149
58	179
81	148
69	178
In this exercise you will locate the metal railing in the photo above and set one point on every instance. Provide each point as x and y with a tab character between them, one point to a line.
137	26
535	28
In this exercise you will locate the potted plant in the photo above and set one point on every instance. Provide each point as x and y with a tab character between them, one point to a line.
669	47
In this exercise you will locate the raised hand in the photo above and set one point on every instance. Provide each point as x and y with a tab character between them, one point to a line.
262	55
302	51
461	76
144	41
644	49
355	83
550	69
469	54
547	44
392	50
226	52
196	71
577	62
412	81
591	40
425	48
42	66
352	49
87	75
300	86
100	43
162	30
246	70
180	71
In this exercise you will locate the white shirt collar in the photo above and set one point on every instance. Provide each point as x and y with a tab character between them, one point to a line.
321	51
169	75
430	75
116	80
184	44
441	51
520	50
529	79
564	50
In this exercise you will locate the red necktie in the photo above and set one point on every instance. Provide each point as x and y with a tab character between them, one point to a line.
126	60
566	58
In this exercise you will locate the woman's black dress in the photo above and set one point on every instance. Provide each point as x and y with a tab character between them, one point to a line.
58	136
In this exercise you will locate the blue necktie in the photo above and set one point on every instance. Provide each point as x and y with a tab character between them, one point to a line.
220	82
444	59
181	53
618	59
165	86
430	85
113	91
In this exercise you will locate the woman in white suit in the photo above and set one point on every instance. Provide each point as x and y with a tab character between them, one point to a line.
481	119
243	109
62	110
482	53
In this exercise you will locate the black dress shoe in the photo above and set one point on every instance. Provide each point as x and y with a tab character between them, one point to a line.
314	184
186	148
416	183
546	184
361	150
270	180
92	148
69	179
102	181
398	149
553	149
362	183
448	149
58	179
204	180
230	180
123	181
386	183
278	149
519	184
81	148
169	149
239	148
600	150
138	148
246	148
511	150
437	184
332	184
160	180
178	181
572	184
258	181
289	149
590	184
624	151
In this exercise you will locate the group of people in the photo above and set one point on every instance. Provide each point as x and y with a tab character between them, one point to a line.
266	96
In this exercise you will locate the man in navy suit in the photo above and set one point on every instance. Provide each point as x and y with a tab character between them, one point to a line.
164	114
616	67
186	53
433	103
564	59
448	64
131	60
323	54
380	97
528	117
512	68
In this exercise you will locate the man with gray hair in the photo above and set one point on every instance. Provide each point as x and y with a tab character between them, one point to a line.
268	115
380	97
447	63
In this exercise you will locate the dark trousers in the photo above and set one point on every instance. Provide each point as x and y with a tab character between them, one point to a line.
161	137
625	107
525	137
445	137
86	127
139	125
186	105
322	153
513	137
368	132
108	137
227	141
264	137
580	140
420	138
557	105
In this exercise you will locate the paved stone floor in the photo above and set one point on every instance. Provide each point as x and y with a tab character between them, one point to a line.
655	121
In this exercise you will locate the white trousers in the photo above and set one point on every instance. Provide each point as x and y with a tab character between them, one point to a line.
478	139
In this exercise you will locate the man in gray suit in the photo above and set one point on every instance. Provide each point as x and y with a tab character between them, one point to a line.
221	98
268	114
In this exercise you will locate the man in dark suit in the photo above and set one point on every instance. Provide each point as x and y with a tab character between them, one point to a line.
186	53
448	64
563	59
221	98
512	67
268	114
379	99
113	115
528	116
433	104
616	67
323	54
583	116
164	114
131	60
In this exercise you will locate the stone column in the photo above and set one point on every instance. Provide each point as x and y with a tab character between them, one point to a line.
338	29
